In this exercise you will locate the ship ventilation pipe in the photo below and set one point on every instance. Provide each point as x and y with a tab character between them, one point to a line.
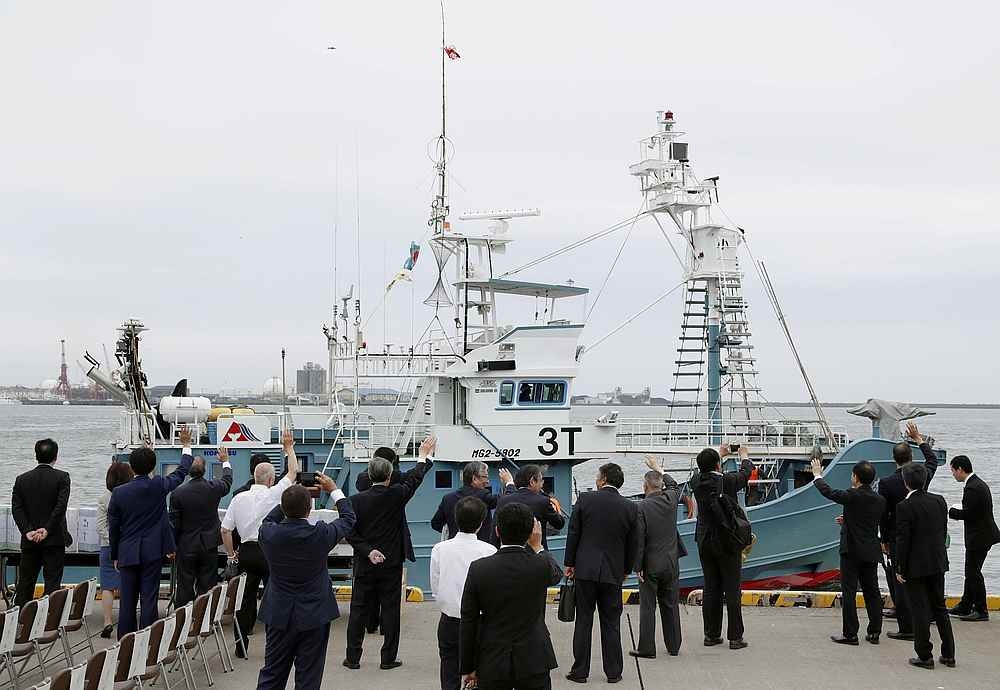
95	374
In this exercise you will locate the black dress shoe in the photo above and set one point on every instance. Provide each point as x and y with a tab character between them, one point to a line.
738	644
844	639
240	654
872	638
389	665
975	616
923	663
106	633
959	610
353	665
673	653
640	655
899	636
615	680
712	641
947	661
576	679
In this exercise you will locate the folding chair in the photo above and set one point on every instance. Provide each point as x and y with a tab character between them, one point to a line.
132	660
8	635
102	667
60	603
83	604
160	634
234	601
174	652
219	606
31	623
73	678
201	622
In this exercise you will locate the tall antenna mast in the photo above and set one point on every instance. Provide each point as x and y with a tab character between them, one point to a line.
439	207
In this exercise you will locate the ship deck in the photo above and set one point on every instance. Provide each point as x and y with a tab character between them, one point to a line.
789	647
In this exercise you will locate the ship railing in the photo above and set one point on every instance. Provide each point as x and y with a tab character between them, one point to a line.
640	433
393	364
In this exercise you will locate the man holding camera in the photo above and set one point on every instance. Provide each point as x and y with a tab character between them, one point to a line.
245	513
721	566
379	551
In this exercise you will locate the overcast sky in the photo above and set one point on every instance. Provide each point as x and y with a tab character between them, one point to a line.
178	162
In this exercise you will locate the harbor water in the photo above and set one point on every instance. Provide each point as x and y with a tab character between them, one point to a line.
84	435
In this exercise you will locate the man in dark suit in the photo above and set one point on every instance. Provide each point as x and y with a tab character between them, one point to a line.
981	533
363	483
657	563
475	482
378	541
194	514
299	602
38	504
600	552
893	490
504	642
140	533
528	490
921	531
721	568
860	549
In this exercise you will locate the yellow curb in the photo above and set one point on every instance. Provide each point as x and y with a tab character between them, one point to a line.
414	595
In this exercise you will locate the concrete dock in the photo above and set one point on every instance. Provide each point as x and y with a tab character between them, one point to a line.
789	648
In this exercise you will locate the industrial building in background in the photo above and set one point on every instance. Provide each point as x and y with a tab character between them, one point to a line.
310	380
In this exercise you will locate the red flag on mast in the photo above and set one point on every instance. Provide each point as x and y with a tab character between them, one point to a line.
451	52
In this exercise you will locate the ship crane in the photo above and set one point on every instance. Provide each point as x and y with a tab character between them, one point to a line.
62	387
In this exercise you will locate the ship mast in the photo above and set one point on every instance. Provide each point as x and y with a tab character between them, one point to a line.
439	207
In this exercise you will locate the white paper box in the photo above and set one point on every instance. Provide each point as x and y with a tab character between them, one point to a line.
86	533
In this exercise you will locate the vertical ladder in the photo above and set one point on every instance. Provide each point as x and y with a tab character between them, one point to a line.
689	367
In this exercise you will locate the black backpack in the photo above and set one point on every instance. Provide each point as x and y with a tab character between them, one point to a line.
730	532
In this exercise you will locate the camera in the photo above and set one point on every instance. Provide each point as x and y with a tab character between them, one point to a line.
734	448
307	479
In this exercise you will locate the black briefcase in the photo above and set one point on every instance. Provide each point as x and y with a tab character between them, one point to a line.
567	601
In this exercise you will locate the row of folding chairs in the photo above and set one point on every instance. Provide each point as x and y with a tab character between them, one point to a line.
138	657
40	627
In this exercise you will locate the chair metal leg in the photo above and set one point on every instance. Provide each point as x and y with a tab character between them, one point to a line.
239	637
204	661
41	659
66	647
220	642
186	670
90	637
9	663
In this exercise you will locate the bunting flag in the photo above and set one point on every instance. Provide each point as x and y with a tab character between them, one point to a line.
451	52
404	273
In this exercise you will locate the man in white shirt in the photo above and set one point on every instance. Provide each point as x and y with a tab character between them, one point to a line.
450	561
245	513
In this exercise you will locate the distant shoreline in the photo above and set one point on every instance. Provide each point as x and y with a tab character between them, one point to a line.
939	406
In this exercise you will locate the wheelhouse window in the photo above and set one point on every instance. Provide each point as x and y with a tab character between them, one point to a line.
507	393
533	393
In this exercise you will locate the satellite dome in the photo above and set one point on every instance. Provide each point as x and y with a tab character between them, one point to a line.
272	386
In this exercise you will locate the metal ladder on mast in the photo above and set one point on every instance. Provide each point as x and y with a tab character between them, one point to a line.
689	367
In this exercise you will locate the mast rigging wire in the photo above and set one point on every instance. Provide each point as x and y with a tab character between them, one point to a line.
635	316
614	263
573	245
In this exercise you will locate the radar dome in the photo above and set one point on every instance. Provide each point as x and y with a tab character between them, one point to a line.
272	386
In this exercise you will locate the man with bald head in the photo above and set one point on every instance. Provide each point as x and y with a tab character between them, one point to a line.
194	516
245	513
